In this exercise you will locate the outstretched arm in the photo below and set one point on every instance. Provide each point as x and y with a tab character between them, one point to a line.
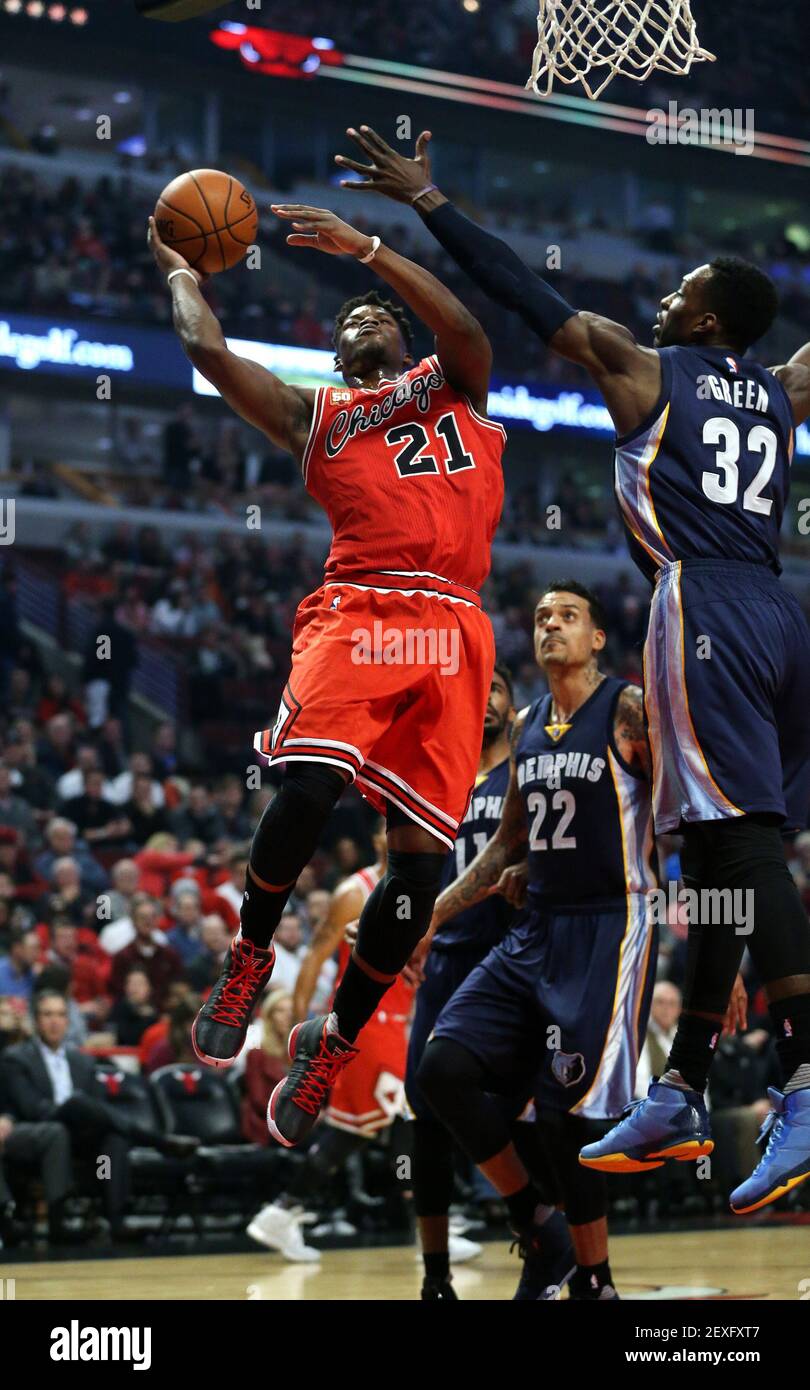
284	413
629	376
795	377
462	346
507	846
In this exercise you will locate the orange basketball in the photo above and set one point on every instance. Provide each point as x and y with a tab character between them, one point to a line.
209	217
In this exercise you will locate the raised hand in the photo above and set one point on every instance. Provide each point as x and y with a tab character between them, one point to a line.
322	230
389	173
167	259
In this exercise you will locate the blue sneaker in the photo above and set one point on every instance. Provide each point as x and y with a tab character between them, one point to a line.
786	1160
548	1260
670	1123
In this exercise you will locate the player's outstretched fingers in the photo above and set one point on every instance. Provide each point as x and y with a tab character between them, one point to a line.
360	139
376	141
346	163
288	211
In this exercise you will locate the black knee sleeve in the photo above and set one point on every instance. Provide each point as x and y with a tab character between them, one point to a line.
756	904
284	842
583	1190
453	1083
397	914
291	825
433	1170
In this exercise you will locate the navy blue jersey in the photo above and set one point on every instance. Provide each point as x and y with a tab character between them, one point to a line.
708	473
483	924
589	814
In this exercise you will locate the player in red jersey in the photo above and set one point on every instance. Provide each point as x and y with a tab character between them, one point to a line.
392	656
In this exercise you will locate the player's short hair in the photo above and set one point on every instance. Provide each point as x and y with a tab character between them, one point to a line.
374	297
744	298
502	670
573	586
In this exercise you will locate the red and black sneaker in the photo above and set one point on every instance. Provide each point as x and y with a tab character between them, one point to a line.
318	1055
218	1031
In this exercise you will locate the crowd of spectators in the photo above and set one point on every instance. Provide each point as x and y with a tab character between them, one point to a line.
80	248
223	609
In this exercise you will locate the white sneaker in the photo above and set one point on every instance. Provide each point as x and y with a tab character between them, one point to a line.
461	1249
338	1227
279	1228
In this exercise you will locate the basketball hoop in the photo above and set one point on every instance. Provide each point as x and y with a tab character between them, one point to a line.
593	41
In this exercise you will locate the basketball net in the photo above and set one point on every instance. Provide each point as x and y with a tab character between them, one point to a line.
593	41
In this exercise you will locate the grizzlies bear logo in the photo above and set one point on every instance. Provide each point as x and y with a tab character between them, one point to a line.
568	1067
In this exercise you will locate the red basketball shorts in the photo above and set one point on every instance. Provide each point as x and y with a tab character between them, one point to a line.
370	1092
391	686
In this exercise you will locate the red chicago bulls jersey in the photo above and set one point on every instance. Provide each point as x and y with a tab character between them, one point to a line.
409	476
396	1004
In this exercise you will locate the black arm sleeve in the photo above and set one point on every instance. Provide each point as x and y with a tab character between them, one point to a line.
495	268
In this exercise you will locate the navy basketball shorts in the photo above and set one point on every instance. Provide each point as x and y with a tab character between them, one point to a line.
727	693
559	1009
445	972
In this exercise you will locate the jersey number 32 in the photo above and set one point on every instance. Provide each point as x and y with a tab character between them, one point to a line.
725	489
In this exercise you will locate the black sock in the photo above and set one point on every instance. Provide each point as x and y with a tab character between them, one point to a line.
437	1266
791	1020
261	912
357	999
693	1049
522	1205
591	1278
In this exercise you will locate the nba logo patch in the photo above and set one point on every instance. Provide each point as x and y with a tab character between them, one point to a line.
339	397
568	1067
733	365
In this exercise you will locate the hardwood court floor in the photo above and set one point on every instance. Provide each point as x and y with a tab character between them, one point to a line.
753	1263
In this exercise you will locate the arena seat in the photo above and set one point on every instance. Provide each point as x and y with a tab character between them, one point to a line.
193	1099
152	1172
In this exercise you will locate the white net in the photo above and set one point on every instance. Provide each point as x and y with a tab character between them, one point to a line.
592	41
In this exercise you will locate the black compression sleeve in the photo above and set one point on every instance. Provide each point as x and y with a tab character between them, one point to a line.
495	268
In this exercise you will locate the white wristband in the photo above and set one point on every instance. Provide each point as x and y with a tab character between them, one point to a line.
181	271
375	246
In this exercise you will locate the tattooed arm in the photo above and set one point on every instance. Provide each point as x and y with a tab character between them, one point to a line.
507	846
630	732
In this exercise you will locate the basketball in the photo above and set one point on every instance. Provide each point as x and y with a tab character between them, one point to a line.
209	217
